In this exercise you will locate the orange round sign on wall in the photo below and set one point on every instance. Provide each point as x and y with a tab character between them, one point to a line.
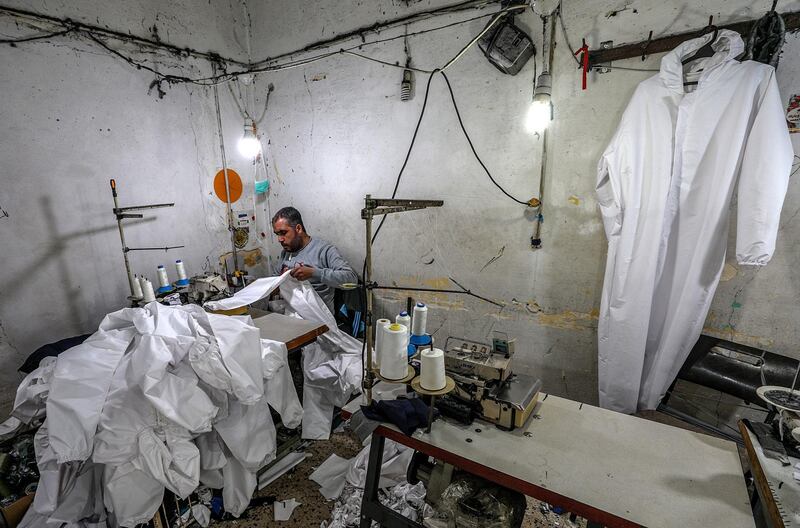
234	183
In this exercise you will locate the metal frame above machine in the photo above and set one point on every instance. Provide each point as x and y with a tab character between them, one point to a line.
377	207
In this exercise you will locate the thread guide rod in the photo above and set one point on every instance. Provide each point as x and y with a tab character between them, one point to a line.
377	207
121	215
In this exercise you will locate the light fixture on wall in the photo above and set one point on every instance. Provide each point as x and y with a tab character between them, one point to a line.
540	112
249	145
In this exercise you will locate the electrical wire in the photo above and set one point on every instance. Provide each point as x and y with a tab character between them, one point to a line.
408	152
500	14
385	63
228	76
577	60
243	111
449	63
471	146
36	37
570	49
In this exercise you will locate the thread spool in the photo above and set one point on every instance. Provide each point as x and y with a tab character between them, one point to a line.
404	319
394	358
432	376
420	320
137	289
376	357
163	280
183	280
147	289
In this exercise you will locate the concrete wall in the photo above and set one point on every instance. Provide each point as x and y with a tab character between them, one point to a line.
72	118
338	130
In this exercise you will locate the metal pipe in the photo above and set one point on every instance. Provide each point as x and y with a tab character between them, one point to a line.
536	238
122	237
118	210
367	382
165	248
225	175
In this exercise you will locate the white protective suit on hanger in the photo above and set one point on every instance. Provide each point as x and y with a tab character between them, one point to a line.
664	187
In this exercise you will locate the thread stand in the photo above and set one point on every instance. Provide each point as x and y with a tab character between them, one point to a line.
416	386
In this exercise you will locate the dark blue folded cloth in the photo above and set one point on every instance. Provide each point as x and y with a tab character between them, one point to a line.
406	413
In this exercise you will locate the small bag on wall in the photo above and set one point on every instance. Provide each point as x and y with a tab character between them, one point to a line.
507	46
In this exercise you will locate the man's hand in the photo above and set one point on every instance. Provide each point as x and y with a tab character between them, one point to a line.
302	272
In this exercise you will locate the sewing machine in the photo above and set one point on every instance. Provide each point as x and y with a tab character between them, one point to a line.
485	384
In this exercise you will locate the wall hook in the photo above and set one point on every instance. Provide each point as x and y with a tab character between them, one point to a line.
646	45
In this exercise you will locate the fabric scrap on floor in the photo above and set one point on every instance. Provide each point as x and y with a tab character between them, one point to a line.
335	472
284	509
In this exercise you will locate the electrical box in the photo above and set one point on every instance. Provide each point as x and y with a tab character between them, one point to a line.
507	47
244	227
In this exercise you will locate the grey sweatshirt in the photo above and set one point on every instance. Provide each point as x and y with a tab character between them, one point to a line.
331	270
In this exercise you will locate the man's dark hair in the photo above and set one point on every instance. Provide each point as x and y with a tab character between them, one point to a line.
291	215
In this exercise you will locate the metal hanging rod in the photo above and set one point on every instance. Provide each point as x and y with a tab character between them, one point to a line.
670	42
165	248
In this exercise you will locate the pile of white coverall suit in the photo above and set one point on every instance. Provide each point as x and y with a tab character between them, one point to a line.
172	397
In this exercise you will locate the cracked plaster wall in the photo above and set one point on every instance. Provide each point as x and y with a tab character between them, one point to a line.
338	131
72	118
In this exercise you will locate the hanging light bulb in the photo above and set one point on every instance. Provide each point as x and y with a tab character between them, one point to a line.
540	112
249	145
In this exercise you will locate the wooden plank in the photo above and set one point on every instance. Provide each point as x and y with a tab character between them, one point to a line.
295	332
764	492
617	469
670	42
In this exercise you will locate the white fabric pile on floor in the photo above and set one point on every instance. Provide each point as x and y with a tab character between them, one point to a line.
331	366
159	397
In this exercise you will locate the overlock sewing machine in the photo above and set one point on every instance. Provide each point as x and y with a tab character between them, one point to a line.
485	385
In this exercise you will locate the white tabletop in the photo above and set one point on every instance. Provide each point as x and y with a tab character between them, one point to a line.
649	473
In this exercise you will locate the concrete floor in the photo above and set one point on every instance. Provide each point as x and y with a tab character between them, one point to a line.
316	509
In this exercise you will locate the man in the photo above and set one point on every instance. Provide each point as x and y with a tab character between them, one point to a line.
310	259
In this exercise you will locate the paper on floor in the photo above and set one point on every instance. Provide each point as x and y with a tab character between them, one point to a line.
284	509
331	476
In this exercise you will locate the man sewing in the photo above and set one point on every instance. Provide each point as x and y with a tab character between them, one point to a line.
310	259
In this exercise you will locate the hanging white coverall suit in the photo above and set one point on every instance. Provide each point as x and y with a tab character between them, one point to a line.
664	187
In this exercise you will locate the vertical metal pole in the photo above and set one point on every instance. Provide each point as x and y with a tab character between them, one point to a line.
372	480
368	316
543	165
122	236
225	174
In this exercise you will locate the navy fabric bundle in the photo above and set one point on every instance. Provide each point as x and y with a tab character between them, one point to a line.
406	413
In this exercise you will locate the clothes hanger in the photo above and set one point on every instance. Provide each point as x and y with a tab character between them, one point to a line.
707	50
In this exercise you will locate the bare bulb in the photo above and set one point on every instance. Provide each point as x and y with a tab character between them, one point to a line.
540	113
249	145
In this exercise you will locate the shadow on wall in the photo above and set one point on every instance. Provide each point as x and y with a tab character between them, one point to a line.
55	253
